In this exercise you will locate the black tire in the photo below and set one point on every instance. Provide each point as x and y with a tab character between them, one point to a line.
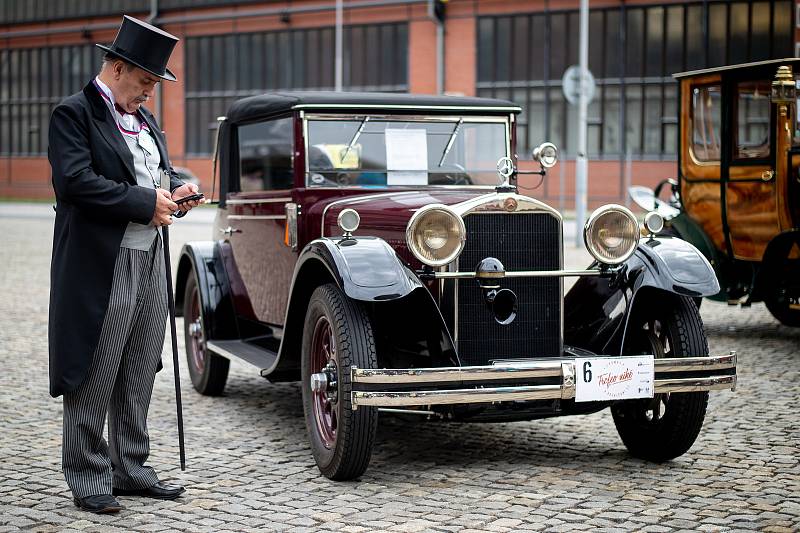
341	439
784	299
666	426
208	371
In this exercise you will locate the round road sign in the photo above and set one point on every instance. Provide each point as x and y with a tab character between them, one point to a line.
571	83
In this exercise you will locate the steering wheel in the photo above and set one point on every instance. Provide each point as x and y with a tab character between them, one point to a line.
458	178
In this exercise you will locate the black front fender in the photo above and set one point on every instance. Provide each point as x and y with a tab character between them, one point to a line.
675	265
366	269
597	309
203	260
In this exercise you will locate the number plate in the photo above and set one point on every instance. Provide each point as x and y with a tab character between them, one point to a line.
613	378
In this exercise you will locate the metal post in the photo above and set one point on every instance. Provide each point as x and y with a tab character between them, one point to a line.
439	22
151	19
439	57
339	65
581	163
628	178
562	168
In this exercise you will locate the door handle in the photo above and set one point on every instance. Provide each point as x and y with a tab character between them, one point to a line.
767	175
229	231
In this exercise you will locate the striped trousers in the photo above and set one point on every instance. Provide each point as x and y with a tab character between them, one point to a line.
119	382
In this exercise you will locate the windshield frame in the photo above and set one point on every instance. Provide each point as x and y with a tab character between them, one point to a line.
305	117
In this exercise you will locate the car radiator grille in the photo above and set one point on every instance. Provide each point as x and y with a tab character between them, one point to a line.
530	241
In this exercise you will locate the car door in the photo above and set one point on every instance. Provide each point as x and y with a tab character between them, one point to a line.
257	215
751	195
701	149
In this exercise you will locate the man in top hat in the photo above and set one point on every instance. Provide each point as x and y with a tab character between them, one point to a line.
108	289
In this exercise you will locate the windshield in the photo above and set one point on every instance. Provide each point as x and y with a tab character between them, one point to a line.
396	151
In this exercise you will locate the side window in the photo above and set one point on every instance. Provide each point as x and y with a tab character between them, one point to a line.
752	120
265	155
796	134
705	115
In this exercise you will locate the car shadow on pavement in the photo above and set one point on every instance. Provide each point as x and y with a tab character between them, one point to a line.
409	445
530	442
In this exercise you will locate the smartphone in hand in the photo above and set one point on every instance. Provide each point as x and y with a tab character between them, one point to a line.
190	198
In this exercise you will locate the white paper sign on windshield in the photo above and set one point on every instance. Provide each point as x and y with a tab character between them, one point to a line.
407	156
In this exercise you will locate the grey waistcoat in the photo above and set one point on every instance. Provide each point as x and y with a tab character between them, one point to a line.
146	161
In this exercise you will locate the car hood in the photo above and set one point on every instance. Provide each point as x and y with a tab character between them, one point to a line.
386	214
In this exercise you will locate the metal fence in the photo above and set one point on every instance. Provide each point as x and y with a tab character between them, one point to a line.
633	52
32	82
223	68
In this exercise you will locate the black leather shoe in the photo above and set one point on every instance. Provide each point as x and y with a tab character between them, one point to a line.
99	503
161	491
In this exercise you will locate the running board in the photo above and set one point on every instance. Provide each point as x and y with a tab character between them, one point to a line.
257	356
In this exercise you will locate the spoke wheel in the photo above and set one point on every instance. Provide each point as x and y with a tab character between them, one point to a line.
661	347
337	335
208	371
666	426
323	355
197	341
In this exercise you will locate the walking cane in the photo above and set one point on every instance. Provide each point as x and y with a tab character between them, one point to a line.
175	366
173	333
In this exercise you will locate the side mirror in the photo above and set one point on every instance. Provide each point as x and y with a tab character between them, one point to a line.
546	154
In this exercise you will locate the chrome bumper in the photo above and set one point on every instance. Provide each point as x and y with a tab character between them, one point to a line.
670	376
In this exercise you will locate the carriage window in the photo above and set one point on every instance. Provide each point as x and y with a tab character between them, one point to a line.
796	136
752	120
706	112
265	155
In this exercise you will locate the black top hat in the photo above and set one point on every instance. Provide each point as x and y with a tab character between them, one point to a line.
143	45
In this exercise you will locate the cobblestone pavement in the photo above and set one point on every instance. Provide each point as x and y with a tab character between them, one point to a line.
250	467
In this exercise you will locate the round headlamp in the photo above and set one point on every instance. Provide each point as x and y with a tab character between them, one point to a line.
348	220
653	223
611	234
435	235
546	154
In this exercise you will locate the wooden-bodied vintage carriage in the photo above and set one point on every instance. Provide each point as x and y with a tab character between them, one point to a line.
737	196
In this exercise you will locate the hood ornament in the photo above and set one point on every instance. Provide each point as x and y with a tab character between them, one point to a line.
505	167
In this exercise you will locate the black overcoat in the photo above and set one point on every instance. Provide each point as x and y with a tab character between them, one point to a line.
96	196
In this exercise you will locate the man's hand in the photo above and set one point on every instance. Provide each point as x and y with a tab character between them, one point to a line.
185	190
164	208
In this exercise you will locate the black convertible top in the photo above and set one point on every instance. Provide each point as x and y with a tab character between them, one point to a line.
263	105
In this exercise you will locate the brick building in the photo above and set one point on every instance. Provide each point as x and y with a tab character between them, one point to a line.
514	49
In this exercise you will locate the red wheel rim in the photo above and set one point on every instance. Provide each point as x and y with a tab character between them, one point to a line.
198	341
323	351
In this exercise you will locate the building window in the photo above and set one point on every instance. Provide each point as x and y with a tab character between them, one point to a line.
223	68
633	52
32	82
18	11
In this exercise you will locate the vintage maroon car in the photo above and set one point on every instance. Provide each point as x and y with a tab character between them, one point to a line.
375	247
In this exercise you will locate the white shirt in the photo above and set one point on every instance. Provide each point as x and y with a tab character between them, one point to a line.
146	162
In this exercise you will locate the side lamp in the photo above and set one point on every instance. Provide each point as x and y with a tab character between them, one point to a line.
784	90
